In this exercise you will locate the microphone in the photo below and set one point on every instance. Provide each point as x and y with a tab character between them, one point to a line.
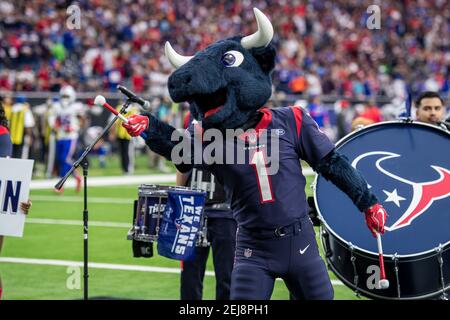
133	97
101	101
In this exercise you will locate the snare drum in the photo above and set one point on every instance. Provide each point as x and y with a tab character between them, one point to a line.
151	203
158	207
407	166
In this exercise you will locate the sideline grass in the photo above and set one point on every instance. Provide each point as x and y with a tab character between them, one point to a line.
106	245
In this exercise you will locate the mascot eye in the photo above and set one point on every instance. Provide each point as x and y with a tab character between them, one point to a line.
232	58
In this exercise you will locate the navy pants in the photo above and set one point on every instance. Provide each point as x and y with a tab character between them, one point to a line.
222	236
291	254
65	149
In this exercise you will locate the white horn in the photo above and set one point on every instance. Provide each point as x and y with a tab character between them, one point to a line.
263	36
175	59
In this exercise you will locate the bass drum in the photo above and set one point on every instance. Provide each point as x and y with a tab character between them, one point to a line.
407	166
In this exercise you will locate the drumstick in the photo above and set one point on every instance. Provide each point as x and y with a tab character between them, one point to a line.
383	283
101	101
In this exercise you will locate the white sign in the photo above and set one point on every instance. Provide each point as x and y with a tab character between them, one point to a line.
15	178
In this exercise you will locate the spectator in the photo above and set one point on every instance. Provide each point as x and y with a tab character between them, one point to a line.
21	124
430	108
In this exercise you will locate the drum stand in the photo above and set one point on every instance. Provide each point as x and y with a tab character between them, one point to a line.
82	160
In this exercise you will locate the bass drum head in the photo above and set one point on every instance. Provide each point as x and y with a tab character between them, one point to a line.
407	166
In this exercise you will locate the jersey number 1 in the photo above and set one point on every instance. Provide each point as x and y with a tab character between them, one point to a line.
265	188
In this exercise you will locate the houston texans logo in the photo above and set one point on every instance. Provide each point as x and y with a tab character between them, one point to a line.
423	195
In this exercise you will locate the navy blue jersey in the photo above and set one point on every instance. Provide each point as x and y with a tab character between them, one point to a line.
5	143
261	198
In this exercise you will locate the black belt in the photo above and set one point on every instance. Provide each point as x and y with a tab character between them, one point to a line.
273	233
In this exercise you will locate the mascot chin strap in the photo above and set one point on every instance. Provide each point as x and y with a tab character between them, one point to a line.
336	168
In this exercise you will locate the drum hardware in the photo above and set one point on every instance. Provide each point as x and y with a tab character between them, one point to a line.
441	271
445	125
135	229
139	212
219	206
355	272
158	218
407	120
395	258
202	235
312	212
199	178
145	219
212	187
208	187
198	183
326	244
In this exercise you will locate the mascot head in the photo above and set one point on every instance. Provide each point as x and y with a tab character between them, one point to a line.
229	80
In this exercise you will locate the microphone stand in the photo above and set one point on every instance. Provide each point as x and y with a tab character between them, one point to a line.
82	160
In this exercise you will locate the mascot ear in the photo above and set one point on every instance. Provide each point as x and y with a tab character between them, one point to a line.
265	57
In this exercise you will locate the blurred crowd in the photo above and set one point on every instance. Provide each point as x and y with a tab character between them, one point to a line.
324	47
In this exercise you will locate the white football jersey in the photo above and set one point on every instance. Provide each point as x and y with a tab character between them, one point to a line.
65	120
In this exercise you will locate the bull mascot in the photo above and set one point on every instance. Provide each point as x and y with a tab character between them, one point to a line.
227	86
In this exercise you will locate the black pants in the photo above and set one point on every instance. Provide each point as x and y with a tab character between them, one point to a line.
222	236
17	151
124	149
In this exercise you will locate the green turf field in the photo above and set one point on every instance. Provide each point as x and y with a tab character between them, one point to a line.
44	239
112	167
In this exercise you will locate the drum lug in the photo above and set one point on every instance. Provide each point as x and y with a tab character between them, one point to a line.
441	271
355	272
395	259
326	243
131	233
407	120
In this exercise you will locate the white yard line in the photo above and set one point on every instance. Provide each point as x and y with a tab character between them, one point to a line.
121	180
107	266
78	199
79	223
108	181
